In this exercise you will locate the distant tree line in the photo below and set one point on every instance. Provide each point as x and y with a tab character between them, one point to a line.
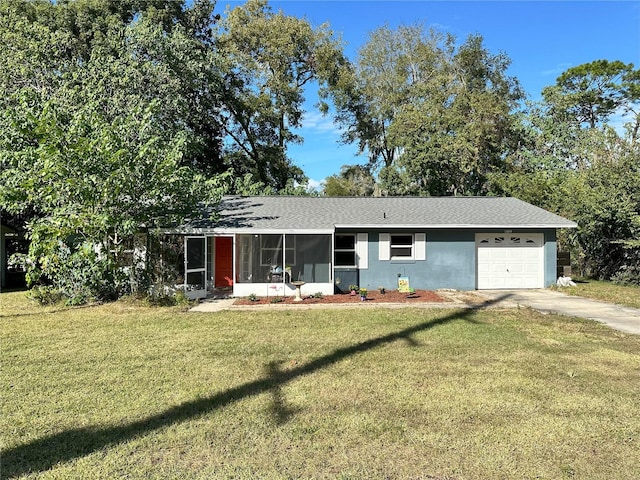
121	117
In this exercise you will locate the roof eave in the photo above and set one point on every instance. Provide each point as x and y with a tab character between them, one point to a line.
249	230
452	226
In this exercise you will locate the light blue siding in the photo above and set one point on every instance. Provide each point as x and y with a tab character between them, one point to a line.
550	257
450	261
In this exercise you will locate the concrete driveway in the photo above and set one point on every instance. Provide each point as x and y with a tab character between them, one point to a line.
548	301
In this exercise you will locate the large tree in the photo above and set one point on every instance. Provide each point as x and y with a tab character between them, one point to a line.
437	117
122	56
98	133
591	93
271	59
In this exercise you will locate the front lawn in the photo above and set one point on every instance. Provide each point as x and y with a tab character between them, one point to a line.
626	295
126	391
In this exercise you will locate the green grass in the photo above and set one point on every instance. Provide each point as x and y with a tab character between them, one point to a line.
626	295
128	391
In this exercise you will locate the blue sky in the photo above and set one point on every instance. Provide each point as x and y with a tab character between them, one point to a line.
542	38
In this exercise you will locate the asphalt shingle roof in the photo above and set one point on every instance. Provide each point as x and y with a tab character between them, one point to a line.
324	214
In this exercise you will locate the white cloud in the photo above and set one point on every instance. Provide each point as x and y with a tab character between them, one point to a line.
315	122
315	184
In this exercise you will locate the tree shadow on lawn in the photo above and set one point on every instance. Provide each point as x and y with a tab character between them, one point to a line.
43	453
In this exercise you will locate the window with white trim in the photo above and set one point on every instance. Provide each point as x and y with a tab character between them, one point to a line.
345	250
401	246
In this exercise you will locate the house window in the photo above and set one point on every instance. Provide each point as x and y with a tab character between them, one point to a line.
401	246
345	250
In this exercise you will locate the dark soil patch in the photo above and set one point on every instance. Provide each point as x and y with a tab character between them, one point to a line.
390	296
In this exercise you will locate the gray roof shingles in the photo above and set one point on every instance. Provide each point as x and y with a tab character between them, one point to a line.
316	214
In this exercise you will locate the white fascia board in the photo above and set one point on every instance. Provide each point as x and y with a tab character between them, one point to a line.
452	226
256	231
266	231
188	231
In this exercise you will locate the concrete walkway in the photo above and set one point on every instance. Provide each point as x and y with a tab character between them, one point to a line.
213	305
620	318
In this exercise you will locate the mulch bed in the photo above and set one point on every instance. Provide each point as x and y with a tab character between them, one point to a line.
391	296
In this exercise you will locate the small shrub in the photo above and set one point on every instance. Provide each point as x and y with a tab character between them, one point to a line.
181	299
253	297
627	275
353	288
46	295
160	300
276	300
317	295
363	292
165	298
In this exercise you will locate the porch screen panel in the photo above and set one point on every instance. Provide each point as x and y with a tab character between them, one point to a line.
283	258
259	258
312	259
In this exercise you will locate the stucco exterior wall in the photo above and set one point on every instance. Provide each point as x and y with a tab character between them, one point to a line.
450	261
550	257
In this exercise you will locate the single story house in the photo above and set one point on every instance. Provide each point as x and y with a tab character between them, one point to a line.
263	244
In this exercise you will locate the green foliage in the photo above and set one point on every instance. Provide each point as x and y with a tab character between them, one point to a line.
99	134
574	164
46	295
353	181
113	117
590	93
78	275
628	274
437	118
271	57
166	297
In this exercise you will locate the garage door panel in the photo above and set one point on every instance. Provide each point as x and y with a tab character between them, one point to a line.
531	253
499	269
531	268
483	269
499	254
516	268
510	261
516	254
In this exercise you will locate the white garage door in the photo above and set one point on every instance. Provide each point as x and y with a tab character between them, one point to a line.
510	260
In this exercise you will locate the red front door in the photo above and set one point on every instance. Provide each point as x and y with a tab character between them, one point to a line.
223	262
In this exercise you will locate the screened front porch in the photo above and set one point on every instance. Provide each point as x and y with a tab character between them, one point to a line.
267	264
